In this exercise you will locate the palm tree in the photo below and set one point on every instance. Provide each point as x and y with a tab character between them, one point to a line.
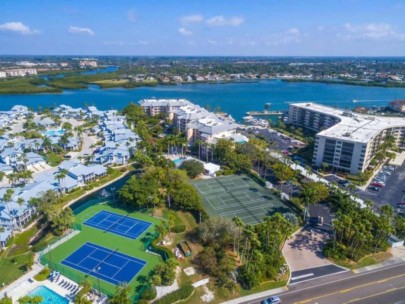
7	197
61	176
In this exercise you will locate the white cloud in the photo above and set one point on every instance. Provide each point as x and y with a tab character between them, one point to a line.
221	21
185	32
292	35
185	20
81	30
132	16
17	27
373	31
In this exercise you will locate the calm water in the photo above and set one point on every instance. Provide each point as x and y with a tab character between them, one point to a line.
234	98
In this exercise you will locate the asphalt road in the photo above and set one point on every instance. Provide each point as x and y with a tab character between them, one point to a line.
385	285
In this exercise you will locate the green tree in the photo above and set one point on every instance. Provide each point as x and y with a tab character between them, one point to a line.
313	193
30	300
121	295
283	173
193	168
6	300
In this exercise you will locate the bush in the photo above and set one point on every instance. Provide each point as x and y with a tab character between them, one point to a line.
39	246
178	228
149	293
43	274
181	294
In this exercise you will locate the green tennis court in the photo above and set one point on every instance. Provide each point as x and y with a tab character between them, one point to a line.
238	195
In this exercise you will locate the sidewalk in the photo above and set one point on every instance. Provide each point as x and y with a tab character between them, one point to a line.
257	296
36	268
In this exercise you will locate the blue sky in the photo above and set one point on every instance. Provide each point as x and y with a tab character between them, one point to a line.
205	27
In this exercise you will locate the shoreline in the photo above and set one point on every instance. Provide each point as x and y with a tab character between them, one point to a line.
59	90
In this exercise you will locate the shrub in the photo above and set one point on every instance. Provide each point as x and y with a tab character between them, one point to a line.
43	274
39	246
178	228
149	293
181	294
164	252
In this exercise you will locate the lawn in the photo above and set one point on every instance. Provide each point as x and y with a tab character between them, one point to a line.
133	248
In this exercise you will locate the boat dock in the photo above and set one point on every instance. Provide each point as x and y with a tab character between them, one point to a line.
264	113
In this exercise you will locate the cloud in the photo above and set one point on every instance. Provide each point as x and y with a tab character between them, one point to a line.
17	27
372	31
222	21
81	30
292	35
185	20
185	32
132	16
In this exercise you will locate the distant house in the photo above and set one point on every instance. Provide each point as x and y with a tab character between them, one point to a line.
46	122
73	143
32	160
10	156
81	173
397	106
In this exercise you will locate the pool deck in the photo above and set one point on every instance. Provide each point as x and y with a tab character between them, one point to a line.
26	287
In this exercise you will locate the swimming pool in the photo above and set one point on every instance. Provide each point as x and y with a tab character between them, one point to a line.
48	295
54	132
178	161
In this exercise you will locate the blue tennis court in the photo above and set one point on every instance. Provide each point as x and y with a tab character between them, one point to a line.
119	224
103	263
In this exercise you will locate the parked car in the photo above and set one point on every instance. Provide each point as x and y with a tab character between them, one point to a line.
272	300
378	184
373	188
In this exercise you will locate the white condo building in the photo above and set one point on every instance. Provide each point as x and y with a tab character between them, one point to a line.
345	140
196	122
153	107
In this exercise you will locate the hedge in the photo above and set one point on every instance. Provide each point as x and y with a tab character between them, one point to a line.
43	274
179	295
165	253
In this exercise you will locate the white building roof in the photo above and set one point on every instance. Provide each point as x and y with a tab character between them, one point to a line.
163	102
353	126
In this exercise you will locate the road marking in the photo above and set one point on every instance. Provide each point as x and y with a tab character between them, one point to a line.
373	295
349	289
302	276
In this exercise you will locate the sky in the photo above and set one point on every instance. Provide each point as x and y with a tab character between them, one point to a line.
203	28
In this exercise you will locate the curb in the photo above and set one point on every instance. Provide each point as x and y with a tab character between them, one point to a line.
256	296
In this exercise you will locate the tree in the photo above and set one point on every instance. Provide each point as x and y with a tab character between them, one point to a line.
62	221
186	197
166	272
283	173
81	296
121	295
60	176
313	193
193	168
30	300
6	300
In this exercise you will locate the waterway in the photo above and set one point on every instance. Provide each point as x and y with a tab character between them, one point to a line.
234	98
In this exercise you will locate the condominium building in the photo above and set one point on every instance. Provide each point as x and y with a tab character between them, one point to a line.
21	72
153	107
345	140
196	122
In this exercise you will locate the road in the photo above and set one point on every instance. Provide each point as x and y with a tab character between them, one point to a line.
385	285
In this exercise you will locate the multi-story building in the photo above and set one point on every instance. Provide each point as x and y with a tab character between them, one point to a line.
345	140
397	106
196	122
21	72
153	107
88	63
3	74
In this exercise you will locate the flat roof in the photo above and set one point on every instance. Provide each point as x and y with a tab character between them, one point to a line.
163	102
352	126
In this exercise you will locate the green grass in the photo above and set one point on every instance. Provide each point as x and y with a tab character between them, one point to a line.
238	195
127	246
21	241
53	159
364	262
13	267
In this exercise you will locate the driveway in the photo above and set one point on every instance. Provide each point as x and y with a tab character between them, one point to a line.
304	250
303	254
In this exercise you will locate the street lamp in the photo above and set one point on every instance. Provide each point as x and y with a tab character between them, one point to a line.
98	279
